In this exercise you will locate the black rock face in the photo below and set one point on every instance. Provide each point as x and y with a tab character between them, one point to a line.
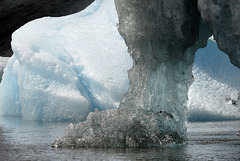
16	13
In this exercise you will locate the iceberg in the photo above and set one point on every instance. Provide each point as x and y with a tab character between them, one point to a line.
215	78
74	68
63	68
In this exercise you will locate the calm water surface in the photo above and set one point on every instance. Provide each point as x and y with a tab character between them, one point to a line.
21	140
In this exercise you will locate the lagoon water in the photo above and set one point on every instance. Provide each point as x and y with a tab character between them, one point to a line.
22	140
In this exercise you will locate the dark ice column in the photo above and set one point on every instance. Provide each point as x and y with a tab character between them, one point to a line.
162	37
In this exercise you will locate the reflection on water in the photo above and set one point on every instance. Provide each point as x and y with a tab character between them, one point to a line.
20	140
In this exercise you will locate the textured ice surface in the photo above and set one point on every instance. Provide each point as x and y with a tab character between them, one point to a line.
162	45
3	63
223	18
63	68
120	128
215	81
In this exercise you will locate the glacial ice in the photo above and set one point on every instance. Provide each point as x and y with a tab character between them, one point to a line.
157	98
162	44
223	18
215	81
63	68
215	78
3	63
120	128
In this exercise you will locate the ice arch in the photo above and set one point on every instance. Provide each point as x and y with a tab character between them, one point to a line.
162	37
